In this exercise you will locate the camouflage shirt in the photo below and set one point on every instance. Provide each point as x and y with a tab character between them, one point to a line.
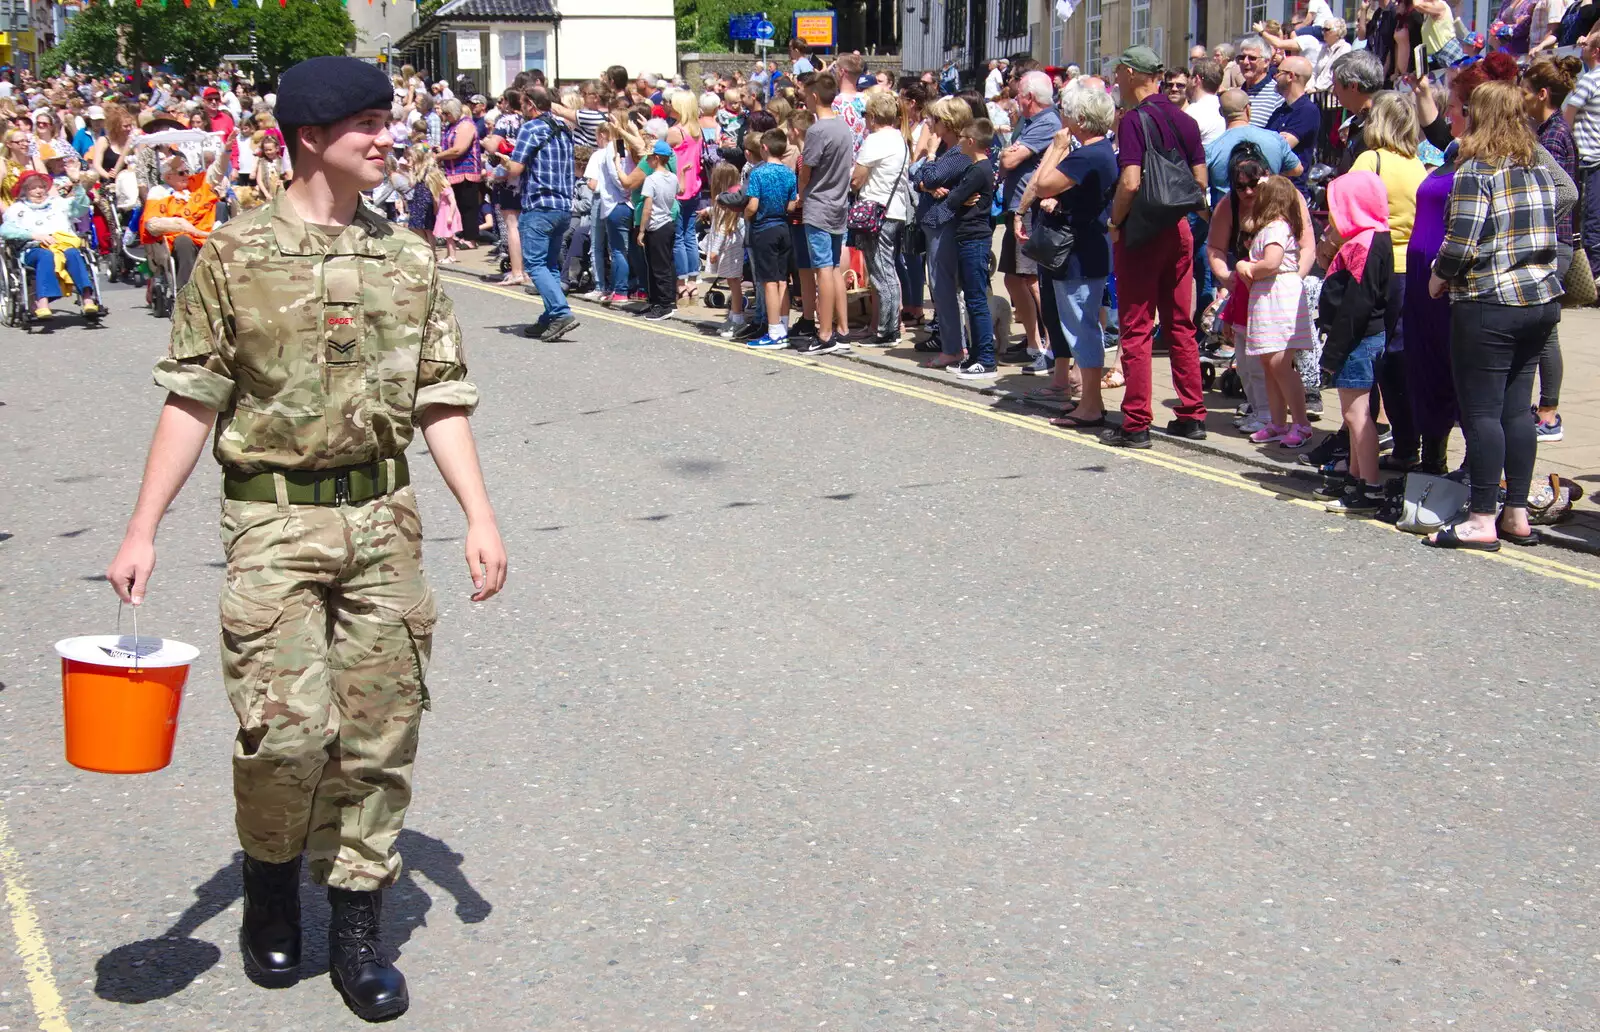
316	350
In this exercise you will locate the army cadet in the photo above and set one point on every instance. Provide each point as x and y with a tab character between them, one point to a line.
315	338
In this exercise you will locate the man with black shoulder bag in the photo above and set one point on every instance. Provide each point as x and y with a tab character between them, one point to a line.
1162	178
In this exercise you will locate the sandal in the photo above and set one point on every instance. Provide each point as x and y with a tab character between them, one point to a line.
1111	379
1050	393
512	280
934	363
1448	538
1528	540
1079	422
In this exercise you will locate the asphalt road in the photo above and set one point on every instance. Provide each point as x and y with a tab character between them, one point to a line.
819	699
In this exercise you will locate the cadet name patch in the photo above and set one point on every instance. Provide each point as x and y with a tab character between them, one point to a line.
341	320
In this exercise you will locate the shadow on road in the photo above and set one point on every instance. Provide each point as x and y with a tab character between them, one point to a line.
155	969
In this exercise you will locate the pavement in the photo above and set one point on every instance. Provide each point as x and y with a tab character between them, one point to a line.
823	696
1575	458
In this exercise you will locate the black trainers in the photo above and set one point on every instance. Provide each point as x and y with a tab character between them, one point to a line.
1332	487
931	346
1188	429
1334	447
750	331
1120	438
803	328
882	340
658	313
1018	355
1358	499
559	328
976	371
816	346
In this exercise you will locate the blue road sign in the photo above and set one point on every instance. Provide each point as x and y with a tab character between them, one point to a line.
766	30
744	26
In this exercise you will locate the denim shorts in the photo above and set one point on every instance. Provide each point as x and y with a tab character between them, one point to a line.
1356	374
822	248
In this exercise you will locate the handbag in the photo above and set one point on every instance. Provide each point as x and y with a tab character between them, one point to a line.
1168	190
1432	503
1579	282
1050	244
867	217
914	241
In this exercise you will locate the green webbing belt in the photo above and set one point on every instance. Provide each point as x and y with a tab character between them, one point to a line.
350	485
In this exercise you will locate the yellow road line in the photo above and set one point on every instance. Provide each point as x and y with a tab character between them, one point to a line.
1228	478
30	940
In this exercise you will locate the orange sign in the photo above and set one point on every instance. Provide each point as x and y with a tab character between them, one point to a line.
815	29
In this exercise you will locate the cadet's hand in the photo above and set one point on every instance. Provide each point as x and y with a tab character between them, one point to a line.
486	559
130	570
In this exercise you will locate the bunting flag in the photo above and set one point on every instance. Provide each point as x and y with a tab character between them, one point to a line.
188	3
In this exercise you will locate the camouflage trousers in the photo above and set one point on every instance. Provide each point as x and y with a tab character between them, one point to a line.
327	625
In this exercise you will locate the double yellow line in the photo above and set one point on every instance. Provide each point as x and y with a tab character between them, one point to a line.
1227	478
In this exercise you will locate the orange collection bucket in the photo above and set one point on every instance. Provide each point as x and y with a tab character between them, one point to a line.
121	694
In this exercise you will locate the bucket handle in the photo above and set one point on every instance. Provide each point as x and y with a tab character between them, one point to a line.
135	631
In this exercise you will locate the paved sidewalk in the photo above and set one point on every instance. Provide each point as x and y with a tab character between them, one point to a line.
1575	458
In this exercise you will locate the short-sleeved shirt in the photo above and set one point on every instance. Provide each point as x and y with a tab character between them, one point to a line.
830	154
316	350
661	190
1280	159
1264	100
1401	177
886	155
1585	100
602	169
1302	120
1035	134
773	185
1174	127
544	149
852	110
1087	208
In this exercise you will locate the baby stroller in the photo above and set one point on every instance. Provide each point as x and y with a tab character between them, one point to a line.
16	288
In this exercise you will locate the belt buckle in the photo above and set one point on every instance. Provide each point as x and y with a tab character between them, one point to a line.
341	489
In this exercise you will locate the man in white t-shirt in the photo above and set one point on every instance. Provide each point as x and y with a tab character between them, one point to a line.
1318	13
1205	83
996	80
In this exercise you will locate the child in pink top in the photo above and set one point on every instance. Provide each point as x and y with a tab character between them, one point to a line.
1279	321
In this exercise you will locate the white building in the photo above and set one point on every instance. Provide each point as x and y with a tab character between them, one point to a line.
490	41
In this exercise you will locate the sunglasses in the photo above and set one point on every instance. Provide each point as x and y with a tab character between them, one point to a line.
1247	57
1248	187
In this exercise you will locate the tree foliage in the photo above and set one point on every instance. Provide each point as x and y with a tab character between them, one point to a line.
103	38
703	24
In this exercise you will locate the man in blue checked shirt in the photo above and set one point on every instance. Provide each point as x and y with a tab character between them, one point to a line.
543	158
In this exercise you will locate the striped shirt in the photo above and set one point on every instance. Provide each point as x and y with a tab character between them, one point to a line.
1500	238
1264	100
588	121
1585	100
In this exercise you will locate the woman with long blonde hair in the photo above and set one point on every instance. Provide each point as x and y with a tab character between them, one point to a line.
1498	264
688	145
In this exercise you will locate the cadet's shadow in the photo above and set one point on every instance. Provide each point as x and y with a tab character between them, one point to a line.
155	969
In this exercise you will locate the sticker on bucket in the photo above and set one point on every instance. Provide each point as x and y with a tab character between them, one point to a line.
129	647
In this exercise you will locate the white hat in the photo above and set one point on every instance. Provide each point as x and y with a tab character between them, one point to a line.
96	111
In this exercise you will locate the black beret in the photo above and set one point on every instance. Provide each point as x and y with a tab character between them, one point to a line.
323	90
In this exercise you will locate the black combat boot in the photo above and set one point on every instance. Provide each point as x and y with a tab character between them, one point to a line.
372	987
270	936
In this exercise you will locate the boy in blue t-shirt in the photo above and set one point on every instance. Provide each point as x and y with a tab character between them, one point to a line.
772	193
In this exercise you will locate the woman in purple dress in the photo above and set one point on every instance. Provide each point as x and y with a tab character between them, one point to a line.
1426	319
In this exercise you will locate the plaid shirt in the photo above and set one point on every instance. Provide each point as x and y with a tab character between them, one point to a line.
1555	137
544	150
1500	239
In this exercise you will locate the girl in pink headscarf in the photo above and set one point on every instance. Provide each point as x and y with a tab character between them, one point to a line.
1352	310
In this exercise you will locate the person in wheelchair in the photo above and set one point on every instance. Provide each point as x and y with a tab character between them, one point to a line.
180	214
42	219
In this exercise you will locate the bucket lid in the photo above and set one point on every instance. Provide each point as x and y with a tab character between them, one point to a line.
126	650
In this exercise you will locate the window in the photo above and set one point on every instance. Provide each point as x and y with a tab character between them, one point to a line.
1057	30
955	24
522	52
1254	11
1013	18
1140	34
1091	38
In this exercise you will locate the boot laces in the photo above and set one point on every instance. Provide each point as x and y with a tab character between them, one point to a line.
358	931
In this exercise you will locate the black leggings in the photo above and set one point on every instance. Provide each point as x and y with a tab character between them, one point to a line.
1550	373
469	201
1493	352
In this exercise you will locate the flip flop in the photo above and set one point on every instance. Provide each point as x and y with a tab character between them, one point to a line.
1447	538
1076	423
